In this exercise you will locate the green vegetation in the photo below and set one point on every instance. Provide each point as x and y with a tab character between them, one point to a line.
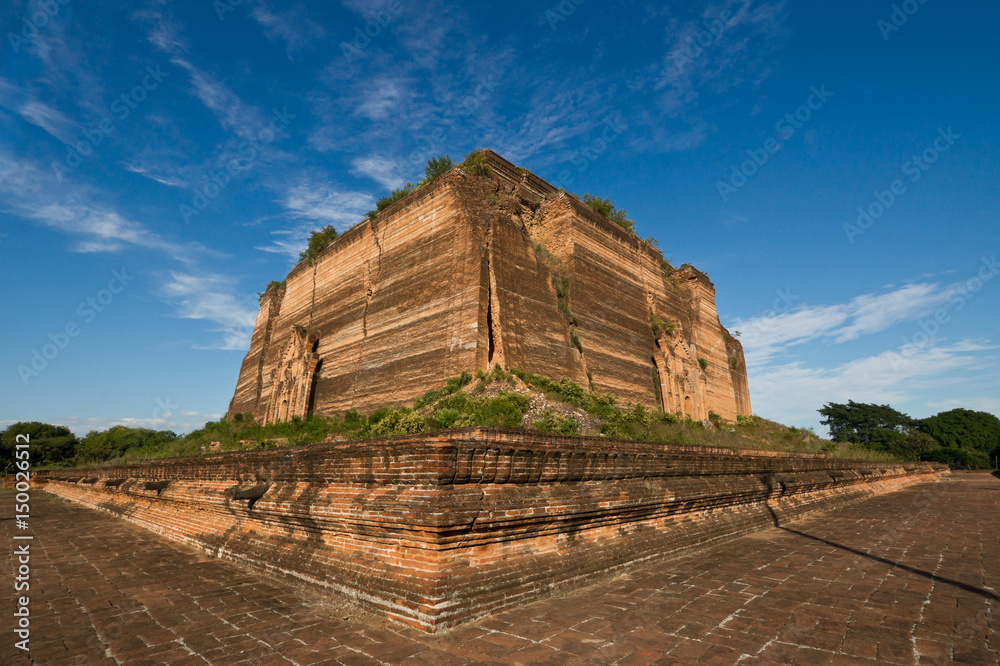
658	324
550	421
272	286
514	399
666	269
321	238
605	207
498	398
703	362
47	443
964	429
391	198
476	164
436	166
318	241
561	284
51	445
960	437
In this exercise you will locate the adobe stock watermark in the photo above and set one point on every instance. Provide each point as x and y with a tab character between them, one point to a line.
561	12
363	36
31	26
121	108
914	169
22	552
250	150
708	35
930	327
584	157
899	17
164	408
223	7
87	311
786	128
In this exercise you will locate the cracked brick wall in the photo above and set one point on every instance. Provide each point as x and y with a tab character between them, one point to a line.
434	530
459	275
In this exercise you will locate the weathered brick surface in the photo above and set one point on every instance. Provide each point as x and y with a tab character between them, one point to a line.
437	529
903	578
449	279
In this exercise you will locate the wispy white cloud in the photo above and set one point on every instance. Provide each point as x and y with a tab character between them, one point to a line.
766	337
310	203
384	171
234	114
383	96
33	193
291	26
23	103
325	204
151	172
872	313
792	392
213	298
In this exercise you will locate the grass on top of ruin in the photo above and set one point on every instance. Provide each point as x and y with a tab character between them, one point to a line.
500	399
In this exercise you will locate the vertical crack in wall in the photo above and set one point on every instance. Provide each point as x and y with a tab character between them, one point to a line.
659	375
369	286
495	351
273	311
312	305
491	343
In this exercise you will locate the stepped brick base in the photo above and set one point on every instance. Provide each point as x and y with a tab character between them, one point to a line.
434	530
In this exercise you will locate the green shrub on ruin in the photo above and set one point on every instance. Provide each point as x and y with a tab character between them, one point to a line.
318	241
476	164
552	422
605	207
658	325
396	421
436	166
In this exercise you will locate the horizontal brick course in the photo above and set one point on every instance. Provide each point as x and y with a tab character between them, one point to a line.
440	528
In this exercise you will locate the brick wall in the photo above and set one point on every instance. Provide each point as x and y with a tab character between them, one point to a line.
437	529
451	278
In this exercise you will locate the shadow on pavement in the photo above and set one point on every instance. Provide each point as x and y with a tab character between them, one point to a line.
920	572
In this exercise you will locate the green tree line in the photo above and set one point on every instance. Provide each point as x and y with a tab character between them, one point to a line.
961	438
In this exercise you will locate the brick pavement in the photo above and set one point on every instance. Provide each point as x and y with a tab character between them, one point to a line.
910	577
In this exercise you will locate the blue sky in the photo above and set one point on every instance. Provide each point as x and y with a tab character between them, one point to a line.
161	162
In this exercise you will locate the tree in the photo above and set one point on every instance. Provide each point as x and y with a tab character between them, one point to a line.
878	428
436	166
119	440
964	429
862	423
958	458
47	444
318	241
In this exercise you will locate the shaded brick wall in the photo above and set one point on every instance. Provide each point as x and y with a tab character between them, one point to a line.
437	529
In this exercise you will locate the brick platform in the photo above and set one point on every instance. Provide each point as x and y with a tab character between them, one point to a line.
435	530
908	577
